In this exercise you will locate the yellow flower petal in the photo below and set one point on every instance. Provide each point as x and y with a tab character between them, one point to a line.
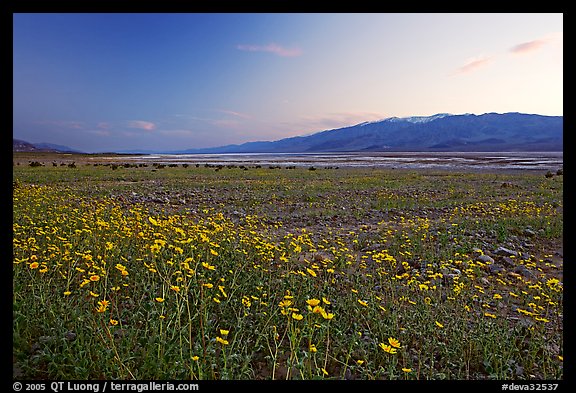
313	302
393	342
297	316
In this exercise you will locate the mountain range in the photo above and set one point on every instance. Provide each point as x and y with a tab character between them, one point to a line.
442	132
23	146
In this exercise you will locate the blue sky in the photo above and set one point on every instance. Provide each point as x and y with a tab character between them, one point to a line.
160	81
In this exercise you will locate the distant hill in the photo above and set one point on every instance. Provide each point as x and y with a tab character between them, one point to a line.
441	132
23	146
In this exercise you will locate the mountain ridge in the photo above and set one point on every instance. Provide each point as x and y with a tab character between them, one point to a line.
442	132
512	131
19	145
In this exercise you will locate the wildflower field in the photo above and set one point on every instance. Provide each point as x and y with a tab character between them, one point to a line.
147	271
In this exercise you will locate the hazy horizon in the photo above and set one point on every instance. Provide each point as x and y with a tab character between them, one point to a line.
112	82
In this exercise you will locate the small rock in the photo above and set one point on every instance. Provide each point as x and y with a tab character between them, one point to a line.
508	262
523	270
70	336
495	268
484	258
505	252
529	232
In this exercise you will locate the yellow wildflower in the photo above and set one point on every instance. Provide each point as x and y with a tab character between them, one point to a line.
393	342
297	316
285	303
313	302
387	348
208	266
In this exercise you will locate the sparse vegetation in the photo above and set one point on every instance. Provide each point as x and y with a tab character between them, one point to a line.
197	273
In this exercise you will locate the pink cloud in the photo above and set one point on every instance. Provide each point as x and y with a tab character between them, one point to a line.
474	64
529	46
142	125
534	45
271	48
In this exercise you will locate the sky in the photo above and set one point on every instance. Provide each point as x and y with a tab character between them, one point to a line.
102	82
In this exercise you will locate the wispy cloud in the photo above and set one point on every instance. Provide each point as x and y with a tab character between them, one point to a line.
527	47
236	114
221	118
534	45
478	62
142	125
271	48
473	64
